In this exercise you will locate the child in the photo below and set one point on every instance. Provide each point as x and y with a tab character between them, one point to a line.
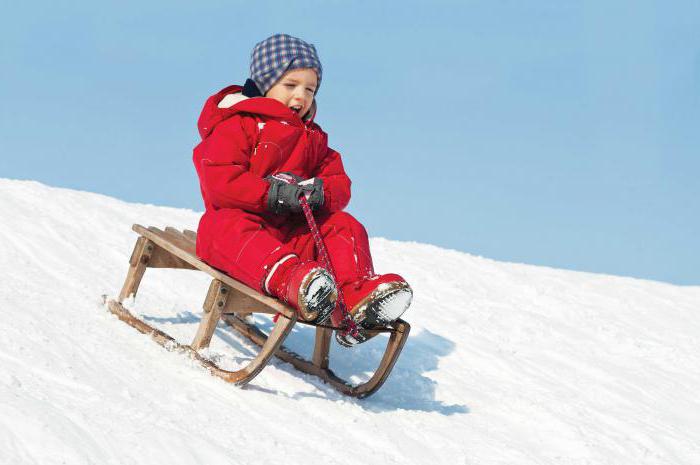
260	151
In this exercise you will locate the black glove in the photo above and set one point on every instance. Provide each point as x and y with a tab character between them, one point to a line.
313	188
283	194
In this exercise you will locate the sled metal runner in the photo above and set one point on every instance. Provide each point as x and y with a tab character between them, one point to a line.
230	301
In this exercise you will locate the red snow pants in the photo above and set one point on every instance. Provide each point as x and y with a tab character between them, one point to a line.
246	245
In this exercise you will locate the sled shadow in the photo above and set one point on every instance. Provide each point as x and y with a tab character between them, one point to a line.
181	318
407	388
221	332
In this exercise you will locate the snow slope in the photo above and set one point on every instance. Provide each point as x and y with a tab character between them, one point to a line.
506	364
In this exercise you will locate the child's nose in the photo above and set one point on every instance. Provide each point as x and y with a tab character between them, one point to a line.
299	94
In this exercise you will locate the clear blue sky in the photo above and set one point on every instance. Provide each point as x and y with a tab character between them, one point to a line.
547	132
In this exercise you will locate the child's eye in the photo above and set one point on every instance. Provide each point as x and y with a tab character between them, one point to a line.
289	85
310	90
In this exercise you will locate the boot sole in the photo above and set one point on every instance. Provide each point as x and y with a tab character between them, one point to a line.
384	305
318	302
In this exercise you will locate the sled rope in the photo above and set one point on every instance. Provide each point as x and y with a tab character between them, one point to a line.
347	324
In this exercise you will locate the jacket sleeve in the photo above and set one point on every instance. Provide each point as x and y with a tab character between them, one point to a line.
223	162
336	183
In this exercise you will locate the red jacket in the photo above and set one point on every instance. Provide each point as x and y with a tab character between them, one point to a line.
246	139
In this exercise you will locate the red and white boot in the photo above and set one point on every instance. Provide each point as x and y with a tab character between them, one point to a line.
374	302
306	286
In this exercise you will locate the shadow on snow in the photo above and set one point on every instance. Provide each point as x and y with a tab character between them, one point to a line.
407	388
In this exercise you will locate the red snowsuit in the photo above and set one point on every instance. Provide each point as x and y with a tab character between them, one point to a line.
242	143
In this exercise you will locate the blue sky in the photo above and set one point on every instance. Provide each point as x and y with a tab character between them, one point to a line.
564	134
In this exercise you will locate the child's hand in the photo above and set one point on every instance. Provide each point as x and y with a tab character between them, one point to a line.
283	194
313	190
285	189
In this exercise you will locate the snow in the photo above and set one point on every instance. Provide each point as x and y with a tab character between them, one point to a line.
506	363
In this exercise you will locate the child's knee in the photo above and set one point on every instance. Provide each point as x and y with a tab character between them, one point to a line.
346	221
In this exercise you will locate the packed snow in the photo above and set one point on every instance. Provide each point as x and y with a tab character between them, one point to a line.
506	363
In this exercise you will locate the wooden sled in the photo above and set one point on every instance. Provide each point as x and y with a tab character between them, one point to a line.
230	301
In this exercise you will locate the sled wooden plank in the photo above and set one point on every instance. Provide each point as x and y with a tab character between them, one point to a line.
322	346
175	237
161	258
171	230
137	252
397	339
180	239
214	302
191	235
238	377
279	333
164	258
268	304
255	335
241	304
137	267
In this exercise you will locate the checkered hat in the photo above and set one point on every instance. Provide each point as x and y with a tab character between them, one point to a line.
276	55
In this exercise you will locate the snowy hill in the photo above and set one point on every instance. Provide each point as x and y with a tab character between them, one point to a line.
506	363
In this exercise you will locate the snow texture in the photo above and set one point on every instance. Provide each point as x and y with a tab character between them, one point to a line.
506	363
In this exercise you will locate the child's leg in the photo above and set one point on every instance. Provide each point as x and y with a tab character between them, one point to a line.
242	244
372	300
346	242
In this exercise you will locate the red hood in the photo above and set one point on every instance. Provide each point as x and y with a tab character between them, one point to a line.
212	115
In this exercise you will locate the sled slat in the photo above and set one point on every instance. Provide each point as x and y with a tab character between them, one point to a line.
161	258
241	303
191	235
171	230
181	239
178	239
174	237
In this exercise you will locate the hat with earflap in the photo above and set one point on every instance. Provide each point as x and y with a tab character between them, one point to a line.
278	54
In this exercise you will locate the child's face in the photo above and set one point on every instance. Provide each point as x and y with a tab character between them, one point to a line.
295	89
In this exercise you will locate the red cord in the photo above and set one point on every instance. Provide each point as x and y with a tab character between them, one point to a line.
340	316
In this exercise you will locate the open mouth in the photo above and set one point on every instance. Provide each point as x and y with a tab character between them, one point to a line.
296	108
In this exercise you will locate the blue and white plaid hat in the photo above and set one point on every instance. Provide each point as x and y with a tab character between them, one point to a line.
279	53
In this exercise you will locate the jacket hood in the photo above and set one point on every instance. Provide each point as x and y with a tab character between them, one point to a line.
230	101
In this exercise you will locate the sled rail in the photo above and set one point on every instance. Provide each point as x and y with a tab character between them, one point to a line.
231	301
